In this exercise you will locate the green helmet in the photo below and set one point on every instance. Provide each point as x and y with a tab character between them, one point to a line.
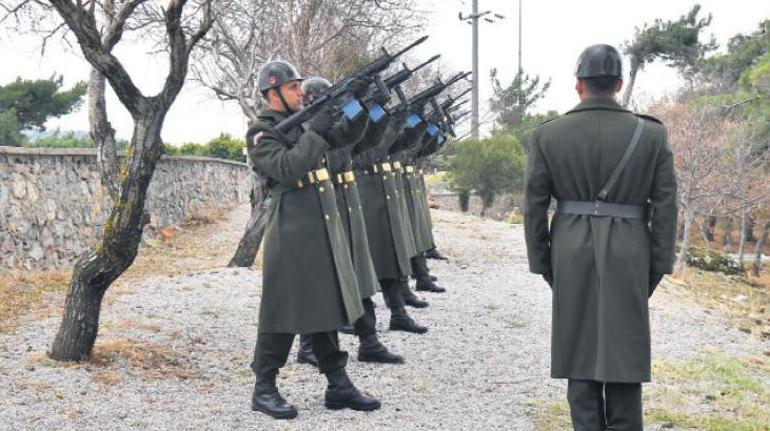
599	61
276	73
313	87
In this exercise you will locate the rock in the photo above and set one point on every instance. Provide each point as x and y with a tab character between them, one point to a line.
32	194
50	209
36	252
18	189
740	298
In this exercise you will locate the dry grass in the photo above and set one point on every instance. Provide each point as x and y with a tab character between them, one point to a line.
174	251
150	360
21	292
746	301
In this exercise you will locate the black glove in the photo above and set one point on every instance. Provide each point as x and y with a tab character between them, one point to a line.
322	122
380	98
654	281
548	277
358	87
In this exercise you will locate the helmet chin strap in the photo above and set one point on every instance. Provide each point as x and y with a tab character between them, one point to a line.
280	96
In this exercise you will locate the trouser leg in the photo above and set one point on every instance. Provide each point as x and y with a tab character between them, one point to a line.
327	349
366	324
586	405
271	353
624	406
305	352
391	293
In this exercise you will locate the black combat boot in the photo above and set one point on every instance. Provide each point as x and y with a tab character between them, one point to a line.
305	353
410	298
348	329
435	254
400	321
341	394
267	400
426	284
371	350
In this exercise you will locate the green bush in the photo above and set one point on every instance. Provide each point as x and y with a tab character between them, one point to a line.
464	196
489	166
712	260
222	147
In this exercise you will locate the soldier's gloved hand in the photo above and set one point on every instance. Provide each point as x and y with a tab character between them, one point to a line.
548	277
322	122
358	87
654	281
380	98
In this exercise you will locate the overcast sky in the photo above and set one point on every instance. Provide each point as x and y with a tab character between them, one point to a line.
553	35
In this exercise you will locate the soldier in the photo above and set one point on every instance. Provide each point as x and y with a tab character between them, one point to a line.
385	225
308	284
350	209
609	244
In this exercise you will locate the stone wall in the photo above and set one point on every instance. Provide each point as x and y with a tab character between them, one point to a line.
52	205
500	209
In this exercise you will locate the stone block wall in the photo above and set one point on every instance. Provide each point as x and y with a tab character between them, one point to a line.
52	205
503	205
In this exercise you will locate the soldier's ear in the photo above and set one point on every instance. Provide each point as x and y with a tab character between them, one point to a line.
580	87
618	85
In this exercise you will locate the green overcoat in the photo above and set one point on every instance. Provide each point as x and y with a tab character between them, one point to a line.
308	283
601	266
384	226
351	212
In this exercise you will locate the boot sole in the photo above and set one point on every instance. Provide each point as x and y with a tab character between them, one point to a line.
279	416
417	305
412	331
380	361
306	362
431	290
338	405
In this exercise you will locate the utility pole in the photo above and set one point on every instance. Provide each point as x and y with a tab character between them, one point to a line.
473	19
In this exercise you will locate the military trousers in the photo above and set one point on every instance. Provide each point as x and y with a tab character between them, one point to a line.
420	270
272	352
600	406
366	324
391	292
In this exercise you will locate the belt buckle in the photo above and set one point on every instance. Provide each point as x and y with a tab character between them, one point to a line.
397	165
349	176
321	174
375	169
386	167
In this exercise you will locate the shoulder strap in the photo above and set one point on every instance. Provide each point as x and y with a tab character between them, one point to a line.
623	161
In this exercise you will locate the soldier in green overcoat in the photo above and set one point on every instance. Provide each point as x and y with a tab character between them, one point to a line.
385	224
609	243
339	162
308	282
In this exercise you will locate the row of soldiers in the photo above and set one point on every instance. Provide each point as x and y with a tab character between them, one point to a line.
349	217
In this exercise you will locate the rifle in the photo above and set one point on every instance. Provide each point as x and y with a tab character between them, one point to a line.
426	96
398	78
339	91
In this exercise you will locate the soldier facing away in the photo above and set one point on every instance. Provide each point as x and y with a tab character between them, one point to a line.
609	244
308	286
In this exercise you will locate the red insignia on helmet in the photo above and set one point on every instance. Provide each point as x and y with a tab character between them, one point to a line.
272	79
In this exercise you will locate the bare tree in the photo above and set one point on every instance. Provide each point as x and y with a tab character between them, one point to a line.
95	271
321	37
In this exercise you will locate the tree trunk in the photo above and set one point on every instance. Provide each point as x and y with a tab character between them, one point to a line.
248	247
704	233
710	225
742	241
757	267
630	84
681	262
727	239
103	135
97	269
748	230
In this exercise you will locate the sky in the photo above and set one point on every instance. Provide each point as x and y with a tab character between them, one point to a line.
553	35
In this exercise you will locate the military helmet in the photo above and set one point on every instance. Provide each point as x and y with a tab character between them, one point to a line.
599	61
313	87
276	73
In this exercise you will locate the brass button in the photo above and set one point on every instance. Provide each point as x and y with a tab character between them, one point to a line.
350	209
321	189
327	216
323	159
387	196
345	186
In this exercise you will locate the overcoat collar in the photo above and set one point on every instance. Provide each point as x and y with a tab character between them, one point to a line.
598	103
275	116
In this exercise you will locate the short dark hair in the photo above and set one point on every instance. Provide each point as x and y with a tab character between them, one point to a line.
602	85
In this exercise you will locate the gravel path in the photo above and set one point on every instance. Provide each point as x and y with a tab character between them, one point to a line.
176	350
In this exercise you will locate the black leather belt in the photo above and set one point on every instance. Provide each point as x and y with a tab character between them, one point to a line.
602	209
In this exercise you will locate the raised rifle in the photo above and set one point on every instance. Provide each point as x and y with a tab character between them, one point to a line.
338	95
394	81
